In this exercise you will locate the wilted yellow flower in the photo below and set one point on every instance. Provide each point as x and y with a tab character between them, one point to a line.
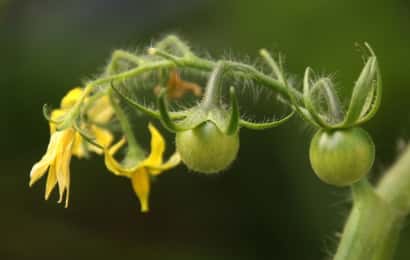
102	137
141	172
101	110
63	144
71	98
177	87
57	160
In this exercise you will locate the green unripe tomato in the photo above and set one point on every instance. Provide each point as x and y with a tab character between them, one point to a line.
206	149
341	157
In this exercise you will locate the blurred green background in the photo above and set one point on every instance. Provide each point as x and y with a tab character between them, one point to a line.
268	205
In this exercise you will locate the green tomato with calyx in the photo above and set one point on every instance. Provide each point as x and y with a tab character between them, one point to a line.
206	149
341	157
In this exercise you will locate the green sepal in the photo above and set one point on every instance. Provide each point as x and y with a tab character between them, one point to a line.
373	100
195	117
266	125
361	91
364	102
47	115
66	121
233	125
165	116
307	99
276	68
333	102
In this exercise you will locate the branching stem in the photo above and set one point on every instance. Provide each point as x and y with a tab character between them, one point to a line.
373	226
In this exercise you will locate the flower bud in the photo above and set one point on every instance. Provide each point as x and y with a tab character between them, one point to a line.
206	149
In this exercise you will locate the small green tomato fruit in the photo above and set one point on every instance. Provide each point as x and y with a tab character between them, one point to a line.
341	157
206	149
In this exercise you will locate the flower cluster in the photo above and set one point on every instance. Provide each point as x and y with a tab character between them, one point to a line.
67	142
64	143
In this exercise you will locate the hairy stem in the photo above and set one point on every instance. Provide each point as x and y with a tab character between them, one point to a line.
173	42
248	71
134	149
117	55
189	62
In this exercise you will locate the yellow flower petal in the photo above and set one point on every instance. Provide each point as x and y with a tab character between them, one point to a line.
173	161
140	173
141	184
63	164
56	115
101	111
102	137
79	148
112	164
40	168
71	98
51	181
157	147
154	160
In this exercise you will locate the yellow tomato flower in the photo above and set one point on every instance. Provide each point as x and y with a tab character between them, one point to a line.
57	160
102	137
141	172
63	144
71	98
101	111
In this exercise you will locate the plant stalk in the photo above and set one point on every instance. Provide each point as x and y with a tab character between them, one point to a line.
134	149
373	228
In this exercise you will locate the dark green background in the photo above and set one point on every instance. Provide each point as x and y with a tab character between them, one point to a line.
268	205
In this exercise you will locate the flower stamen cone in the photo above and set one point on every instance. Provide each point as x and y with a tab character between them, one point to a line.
57	161
142	170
